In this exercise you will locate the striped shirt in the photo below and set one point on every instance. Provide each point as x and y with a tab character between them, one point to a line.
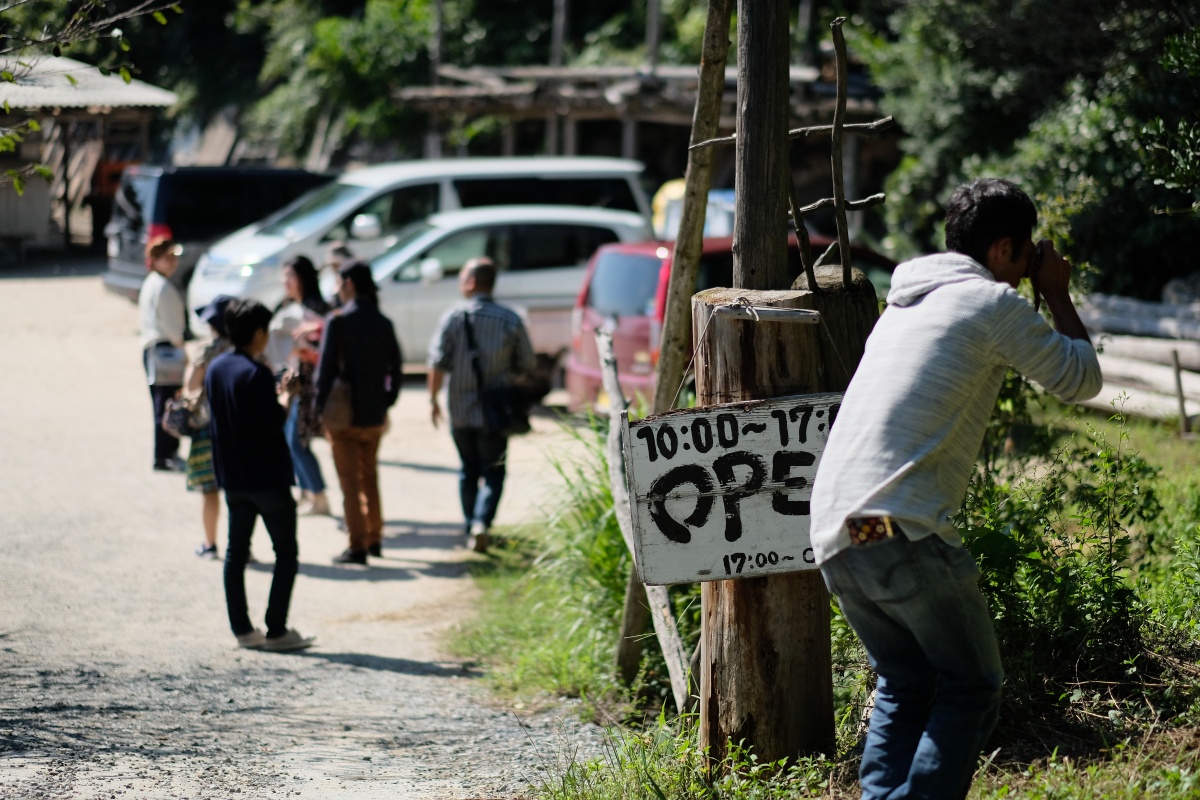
914	415
504	354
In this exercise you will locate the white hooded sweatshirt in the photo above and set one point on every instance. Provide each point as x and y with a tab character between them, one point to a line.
910	427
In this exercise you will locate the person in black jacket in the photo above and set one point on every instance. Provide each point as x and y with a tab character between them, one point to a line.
359	348
254	467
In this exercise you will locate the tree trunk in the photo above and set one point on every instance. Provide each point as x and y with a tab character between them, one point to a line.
675	347
760	212
765	673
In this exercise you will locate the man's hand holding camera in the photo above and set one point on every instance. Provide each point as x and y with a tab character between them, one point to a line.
1050	276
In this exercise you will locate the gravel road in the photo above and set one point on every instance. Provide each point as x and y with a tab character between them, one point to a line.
119	675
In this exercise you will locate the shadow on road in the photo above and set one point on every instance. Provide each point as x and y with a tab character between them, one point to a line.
404	666
418	467
56	265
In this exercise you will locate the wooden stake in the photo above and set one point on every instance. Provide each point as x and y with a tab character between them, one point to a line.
1185	424
839	115
675	347
641	602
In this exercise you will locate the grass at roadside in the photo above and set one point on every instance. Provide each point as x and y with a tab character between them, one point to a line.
552	593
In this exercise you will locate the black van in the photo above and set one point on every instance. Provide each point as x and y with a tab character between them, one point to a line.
195	206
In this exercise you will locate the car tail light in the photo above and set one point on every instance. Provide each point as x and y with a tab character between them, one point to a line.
576	328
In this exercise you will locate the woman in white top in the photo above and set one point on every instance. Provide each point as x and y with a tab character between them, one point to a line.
160	304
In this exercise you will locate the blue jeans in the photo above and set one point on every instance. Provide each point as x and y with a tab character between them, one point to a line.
483	455
308	471
917	608
278	511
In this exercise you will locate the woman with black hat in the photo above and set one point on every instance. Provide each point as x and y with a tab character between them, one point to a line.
358	380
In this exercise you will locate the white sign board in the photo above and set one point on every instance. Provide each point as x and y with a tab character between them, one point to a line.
723	492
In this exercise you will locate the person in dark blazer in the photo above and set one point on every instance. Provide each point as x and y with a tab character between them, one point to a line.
254	467
359	347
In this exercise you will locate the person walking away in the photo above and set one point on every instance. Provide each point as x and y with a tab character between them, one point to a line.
201	476
359	351
254	467
160	309
296	332
502	349
896	468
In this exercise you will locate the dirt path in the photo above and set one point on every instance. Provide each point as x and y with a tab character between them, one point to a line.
119	674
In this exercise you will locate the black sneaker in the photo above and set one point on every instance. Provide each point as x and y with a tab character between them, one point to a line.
207	551
375	550
349	556
171	464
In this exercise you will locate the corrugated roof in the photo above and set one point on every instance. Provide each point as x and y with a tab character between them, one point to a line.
45	84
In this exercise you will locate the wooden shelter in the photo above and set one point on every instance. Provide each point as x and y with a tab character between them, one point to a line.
92	126
634	112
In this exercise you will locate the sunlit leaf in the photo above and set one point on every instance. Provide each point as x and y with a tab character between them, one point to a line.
125	76
160	18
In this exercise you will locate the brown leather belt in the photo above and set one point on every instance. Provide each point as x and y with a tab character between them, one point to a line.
867	530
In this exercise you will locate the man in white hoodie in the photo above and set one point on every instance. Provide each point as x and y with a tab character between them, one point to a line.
897	466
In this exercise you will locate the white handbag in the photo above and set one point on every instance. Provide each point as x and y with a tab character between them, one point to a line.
165	364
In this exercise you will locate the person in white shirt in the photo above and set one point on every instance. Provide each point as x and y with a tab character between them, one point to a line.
160	305
896	468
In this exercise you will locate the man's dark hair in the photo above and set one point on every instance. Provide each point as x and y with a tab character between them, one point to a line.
243	318
359	274
483	271
985	210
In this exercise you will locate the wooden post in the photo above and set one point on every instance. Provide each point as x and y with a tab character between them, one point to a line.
1185	426
760	226
675	348
766	672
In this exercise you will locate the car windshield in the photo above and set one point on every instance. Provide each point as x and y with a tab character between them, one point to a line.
386	262
624	284
316	209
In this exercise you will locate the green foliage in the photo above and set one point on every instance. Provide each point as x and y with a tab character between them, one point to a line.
1053	548
664	762
986	88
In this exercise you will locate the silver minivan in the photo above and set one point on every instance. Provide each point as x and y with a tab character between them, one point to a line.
540	253
367	208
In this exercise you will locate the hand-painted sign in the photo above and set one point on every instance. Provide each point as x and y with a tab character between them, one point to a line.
723	492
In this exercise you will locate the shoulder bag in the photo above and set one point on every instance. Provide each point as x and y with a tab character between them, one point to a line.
505	408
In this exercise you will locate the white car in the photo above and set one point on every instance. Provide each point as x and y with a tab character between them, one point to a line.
367	209
541	255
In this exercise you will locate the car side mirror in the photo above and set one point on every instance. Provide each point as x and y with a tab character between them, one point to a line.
366	226
431	271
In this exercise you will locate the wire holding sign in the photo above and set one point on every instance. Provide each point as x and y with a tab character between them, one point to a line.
757	458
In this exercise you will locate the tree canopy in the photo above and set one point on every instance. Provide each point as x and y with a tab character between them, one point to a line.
1095	114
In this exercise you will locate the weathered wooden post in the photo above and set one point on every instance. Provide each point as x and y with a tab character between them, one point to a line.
765	670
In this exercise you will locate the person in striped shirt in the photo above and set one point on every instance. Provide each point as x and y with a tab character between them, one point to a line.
503	353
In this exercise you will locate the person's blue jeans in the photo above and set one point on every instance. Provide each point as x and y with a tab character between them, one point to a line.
278	511
483	455
917	608
308	471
